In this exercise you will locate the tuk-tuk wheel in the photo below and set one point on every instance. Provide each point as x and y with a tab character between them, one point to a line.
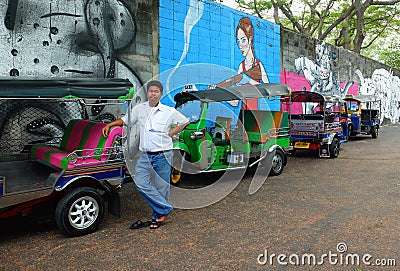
334	148
177	163
350	130
374	132
80	212
278	163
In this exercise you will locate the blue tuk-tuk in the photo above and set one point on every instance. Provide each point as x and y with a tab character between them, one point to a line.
363	112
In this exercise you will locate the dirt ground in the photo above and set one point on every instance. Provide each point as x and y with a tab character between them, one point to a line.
339	211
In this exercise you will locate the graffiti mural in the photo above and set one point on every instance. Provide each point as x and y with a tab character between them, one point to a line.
320	73
223	47
384	85
66	38
250	70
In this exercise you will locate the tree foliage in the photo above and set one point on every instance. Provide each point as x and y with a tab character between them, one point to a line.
361	26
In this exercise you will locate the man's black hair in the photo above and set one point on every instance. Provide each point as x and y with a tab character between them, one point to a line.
156	84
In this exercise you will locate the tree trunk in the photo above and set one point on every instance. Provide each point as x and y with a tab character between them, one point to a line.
360	29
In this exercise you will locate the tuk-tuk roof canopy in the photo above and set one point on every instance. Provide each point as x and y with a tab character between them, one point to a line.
233	93
96	88
309	96
362	98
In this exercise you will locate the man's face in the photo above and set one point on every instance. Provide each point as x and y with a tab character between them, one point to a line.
154	95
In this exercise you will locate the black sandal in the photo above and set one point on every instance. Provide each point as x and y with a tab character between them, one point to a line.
139	224
155	225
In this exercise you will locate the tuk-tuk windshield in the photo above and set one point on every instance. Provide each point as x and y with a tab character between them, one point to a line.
191	110
353	106
331	107
320	108
311	108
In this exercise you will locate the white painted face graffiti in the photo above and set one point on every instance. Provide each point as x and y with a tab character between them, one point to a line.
323	59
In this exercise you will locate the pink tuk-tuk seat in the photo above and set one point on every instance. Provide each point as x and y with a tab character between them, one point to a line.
82	145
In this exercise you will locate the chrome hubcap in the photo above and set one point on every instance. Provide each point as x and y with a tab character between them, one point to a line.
83	212
277	163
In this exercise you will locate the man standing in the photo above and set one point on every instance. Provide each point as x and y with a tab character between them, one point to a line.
157	124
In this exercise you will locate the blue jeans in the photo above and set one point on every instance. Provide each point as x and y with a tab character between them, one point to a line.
152	180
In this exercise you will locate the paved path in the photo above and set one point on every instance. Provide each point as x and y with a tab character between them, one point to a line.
314	206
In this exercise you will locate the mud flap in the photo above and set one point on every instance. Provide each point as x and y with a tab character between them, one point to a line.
114	203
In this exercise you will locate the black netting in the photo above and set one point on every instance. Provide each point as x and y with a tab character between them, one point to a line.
27	122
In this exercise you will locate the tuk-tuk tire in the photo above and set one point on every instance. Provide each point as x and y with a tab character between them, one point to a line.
374	132
180	156
334	148
281	157
86	200
351	130
175	176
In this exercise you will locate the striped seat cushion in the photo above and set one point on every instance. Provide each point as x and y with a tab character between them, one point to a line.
85	138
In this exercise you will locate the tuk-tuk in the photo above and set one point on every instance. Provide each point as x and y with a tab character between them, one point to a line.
363	115
233	138
52	152
319	126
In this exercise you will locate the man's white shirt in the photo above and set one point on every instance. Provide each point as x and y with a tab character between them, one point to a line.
154	124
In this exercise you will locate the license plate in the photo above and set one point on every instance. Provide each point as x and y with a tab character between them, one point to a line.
302	145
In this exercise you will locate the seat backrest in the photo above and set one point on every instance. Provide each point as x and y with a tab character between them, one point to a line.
94	144
72	135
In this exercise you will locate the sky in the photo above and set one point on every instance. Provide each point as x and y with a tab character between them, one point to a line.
230	3
234	5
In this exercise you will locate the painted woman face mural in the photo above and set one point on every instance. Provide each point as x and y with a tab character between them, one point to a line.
244	36
250	70
244	39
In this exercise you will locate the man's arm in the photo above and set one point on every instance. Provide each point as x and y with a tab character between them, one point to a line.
118	122
177	129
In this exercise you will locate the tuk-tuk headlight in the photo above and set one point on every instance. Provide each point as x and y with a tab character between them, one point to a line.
175	137
196	135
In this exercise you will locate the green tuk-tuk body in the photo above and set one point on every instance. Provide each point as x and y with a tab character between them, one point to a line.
218	143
